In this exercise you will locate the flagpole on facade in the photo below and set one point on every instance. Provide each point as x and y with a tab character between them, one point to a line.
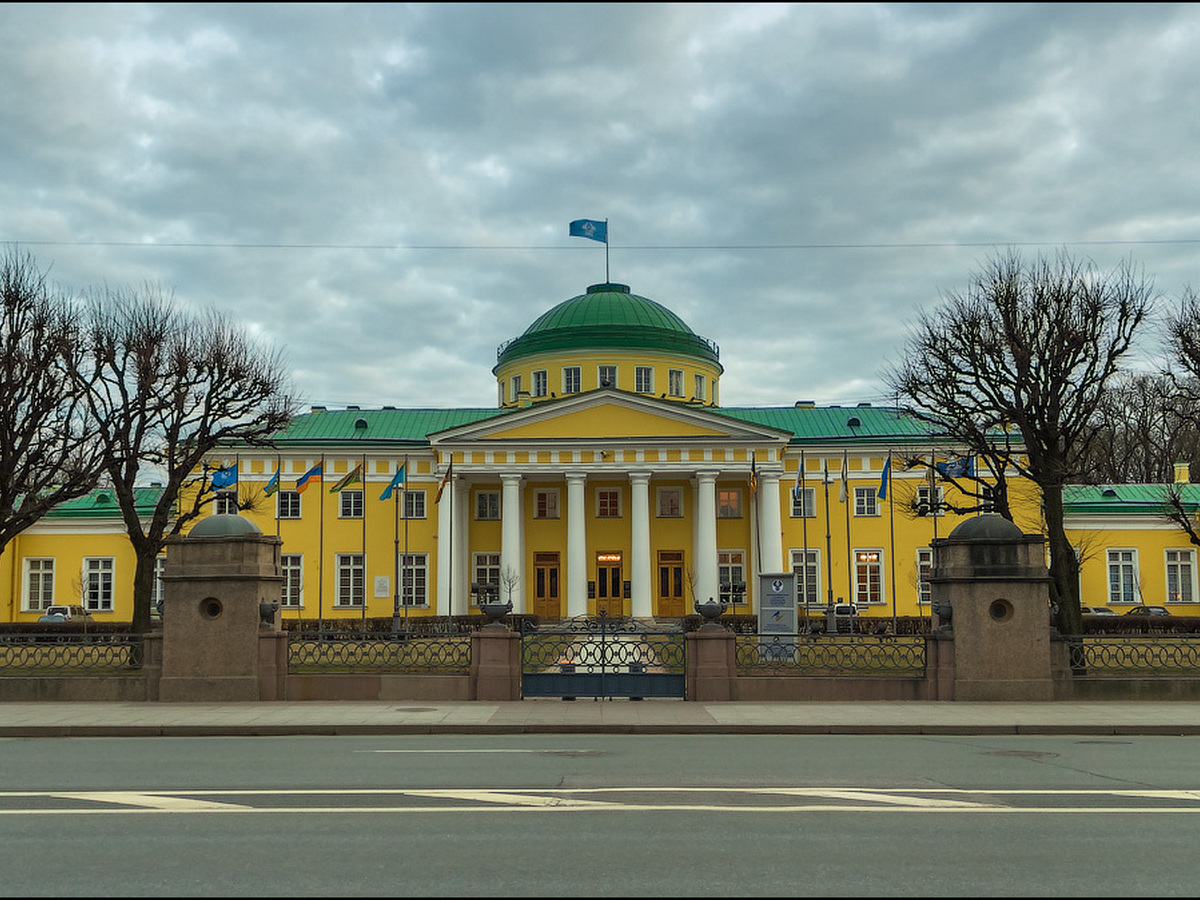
934	506
846	499
754	521
321	554
364	542
892	532
404	566
828	545
606	280
396	562
804	525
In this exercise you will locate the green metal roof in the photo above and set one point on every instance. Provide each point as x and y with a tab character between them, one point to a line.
1125	499
102	504
608	316
817	424
385	426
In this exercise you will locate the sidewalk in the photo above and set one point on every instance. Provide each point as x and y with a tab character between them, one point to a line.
541	716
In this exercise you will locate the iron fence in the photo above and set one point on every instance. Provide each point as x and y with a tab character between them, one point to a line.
1168	655
69	654
447	654
830	654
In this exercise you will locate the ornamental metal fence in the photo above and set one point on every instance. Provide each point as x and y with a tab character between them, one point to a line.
334	652
1141	655
40	653
830	654
603	658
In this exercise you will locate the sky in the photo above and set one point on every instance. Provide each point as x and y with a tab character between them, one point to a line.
382	192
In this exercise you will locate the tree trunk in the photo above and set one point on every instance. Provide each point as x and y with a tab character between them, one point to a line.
1064	566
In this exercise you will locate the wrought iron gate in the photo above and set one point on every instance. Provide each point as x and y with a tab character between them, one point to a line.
602	657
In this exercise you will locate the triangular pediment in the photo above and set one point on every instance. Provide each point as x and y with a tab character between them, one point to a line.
612	415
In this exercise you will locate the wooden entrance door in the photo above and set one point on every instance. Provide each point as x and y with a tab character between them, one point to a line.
546	603
670	584
609	595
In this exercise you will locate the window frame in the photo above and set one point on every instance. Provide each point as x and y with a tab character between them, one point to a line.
545	503
223	500
866	502
346	567
540	386
414	580
608	503
727	509
674	382
351	503
572	379
924	562
868	562
485	566
729	570
803	594
104	575
413	505
27	579
807	507
487	506
291	591
662	494
1121	565
293	505
604	369
1189	581
643	379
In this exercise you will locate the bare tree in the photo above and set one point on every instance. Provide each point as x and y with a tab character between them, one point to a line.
1015	369
49	447
174	387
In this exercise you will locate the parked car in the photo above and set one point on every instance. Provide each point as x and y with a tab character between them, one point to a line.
1097	611
68	612
1148	611
51	617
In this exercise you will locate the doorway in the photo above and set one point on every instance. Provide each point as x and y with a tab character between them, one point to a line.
546	602
610	600
670	584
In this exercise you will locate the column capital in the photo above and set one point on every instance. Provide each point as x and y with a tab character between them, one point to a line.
640	476
576	476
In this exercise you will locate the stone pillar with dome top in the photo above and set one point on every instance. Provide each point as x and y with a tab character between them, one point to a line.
221	637
991	590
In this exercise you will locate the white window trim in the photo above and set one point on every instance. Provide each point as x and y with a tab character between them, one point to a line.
102	604
658	495
1190	563
541	383
345	562
299	570
924	599
569	374
807	505
346	503
620	502
1134	565
557	507
870	499
25	572
882	580
796	555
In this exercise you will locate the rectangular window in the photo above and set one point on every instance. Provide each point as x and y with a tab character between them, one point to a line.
500	393
291	567
729	503
225	503
804	503
349	580
39	584
868	576
675	382
287	504
1122	576
670	503
608	503
487	571
699	387
808	577
156	593
350	504
540	384
924	567
98	584
731	575
487	506
545	504
516	388
864	502
414	579
607	376
643	379
1181	576
571	379
927	508
414	505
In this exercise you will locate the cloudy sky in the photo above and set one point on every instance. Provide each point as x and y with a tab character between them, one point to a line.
383	191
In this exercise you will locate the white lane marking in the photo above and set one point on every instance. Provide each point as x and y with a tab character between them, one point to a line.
474	751
520	798
154	802
877	796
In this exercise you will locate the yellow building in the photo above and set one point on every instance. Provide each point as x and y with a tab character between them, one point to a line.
608	478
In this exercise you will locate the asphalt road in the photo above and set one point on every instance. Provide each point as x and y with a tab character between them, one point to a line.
579	815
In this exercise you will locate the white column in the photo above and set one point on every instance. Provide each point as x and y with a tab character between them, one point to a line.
706	537
576	545
770	536
641	604
510	536
460	600
446	568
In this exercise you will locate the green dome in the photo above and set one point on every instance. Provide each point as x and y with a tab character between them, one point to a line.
608	316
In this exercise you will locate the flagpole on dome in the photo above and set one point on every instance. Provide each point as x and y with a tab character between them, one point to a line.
607	280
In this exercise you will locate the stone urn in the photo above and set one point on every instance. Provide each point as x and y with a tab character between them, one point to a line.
710	611
494	611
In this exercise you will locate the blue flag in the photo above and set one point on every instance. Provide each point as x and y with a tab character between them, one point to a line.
887	468
396	482
223	478
272	485
963	467
591	229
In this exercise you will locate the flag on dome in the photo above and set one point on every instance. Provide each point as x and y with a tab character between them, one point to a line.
591	229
